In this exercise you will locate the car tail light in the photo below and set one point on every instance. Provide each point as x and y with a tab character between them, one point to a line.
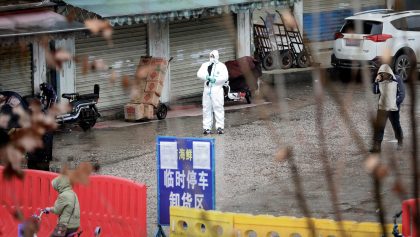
338	35
378	38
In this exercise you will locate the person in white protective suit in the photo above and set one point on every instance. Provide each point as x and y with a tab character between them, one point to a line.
215	75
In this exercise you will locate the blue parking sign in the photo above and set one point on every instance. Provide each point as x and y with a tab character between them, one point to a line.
185	173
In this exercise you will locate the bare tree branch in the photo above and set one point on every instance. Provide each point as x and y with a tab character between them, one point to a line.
319	98
300	191
414	161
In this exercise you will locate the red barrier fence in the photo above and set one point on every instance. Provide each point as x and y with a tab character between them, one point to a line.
409	227
117	205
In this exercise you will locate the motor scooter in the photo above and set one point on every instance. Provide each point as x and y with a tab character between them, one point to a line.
244	95
243	78
83	107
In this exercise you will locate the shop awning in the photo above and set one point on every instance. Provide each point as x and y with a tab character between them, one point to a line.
25	25
124	11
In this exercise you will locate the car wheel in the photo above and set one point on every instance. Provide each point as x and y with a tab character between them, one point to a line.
402	66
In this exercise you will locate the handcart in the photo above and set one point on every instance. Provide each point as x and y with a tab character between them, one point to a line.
271	55
301	54
283	47
150	78
263	45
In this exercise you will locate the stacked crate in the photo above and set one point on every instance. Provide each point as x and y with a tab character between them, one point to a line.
150	78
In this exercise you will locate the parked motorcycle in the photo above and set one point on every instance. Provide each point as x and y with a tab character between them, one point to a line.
83	107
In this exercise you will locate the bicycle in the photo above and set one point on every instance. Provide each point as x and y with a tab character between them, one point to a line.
35	220
395	230
31	225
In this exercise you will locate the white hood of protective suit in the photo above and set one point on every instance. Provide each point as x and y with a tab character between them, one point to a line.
386	69
215	53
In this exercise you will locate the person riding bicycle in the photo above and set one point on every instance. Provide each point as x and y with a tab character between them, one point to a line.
66	206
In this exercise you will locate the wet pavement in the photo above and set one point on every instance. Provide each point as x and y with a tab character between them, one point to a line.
248	178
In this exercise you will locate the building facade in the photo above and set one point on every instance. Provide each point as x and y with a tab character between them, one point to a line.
28	30
186	31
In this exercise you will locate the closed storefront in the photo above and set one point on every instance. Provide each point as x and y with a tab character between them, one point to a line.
16	69
268	14
121	58
190	44
322	18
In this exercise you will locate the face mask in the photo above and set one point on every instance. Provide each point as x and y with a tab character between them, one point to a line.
384	76
212	59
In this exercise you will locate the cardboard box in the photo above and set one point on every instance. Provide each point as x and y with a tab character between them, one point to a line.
137	99
148	65
157	60
150	98
144	67
140	85
150	78
137	91
142	72
159	64
145	60
134	112
149	111
154	86
156	76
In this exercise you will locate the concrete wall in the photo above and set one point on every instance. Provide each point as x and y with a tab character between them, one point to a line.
243	42
403	4
158	41
66	75
39	67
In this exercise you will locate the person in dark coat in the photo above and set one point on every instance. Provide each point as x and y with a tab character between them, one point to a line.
390	88
41	157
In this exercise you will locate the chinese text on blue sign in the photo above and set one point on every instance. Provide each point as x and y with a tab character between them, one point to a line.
185	174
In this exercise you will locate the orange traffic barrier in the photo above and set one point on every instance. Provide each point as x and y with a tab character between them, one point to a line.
117	205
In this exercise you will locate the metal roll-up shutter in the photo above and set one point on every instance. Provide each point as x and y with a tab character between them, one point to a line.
16	69
265	13
190	45
373	4
322	18
330	5
129	43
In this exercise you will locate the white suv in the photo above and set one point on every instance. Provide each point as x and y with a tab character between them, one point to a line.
366	36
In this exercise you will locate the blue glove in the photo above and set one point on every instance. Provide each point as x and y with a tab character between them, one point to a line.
211	79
